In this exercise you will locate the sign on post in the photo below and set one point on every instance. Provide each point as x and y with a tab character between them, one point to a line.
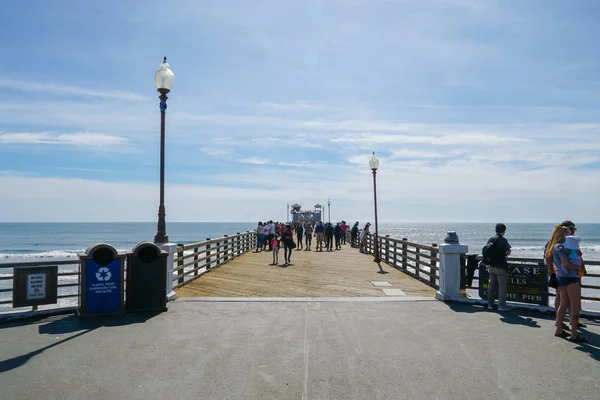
527	283
34	286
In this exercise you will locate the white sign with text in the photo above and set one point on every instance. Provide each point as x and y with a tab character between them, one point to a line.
36	286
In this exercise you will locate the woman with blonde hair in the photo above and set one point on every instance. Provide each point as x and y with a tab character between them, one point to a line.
567	279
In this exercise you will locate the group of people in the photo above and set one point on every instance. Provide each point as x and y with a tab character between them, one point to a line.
358	237
271	235
565	264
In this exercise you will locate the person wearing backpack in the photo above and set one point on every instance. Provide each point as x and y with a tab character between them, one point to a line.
494	255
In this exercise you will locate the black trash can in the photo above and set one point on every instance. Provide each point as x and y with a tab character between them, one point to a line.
472	264
147	278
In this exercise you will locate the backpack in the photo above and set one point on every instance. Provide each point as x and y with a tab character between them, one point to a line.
489	252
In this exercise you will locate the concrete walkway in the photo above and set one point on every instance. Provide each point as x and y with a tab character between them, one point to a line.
368	349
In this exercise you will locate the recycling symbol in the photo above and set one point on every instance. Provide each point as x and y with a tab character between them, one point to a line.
103	274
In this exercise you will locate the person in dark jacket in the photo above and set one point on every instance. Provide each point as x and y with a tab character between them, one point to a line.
299	234
337	231
329	237
354	235
288	244
498	269
319	231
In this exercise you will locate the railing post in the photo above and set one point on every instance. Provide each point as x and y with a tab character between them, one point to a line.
404	254
207	262
418	262
170	248
218	248
180	262
387	249
195	261
226	249
450	265
238	246
395	253
433	265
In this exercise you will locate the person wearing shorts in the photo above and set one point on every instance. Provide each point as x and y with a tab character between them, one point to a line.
319	231
567	277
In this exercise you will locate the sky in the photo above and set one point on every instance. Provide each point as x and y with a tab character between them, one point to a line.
479	111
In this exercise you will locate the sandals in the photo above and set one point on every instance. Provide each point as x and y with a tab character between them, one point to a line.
579	339
563	335
565	327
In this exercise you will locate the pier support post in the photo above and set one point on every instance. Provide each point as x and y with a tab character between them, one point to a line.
170	248
449	254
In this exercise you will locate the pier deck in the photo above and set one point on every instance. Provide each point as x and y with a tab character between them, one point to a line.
299	350
341	273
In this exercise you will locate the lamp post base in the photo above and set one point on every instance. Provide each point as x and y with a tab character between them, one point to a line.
381	271
160	238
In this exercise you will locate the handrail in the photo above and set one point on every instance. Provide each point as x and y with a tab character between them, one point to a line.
421	262
208	255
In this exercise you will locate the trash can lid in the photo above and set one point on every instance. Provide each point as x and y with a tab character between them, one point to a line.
100	246
148	252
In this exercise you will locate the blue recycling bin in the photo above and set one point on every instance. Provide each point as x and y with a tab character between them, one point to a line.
101	282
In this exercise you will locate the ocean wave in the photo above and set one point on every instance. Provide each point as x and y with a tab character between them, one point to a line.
43	254
584	249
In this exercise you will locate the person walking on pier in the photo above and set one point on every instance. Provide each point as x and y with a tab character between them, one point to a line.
271	234
319	231
337	231
329	237
354	235
266	235
308	233
494	255
288	244
275	243
260	237
299	234
344	230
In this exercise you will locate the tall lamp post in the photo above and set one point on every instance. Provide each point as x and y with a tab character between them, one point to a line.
374	164
287	216
328	210
163	78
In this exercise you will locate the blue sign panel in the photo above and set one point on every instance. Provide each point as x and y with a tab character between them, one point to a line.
103	289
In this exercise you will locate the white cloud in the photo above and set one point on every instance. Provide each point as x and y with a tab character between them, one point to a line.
254	160
72	139
62	89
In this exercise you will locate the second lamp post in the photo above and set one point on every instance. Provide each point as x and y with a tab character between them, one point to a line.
374	164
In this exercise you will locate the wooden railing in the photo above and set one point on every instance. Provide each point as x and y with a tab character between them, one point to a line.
417	260
421	262
195	259
590	283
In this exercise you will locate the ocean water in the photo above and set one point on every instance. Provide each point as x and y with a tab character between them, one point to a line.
60	241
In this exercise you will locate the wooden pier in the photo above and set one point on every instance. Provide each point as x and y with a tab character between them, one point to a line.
341	273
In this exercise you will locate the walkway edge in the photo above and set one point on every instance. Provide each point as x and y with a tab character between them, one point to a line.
300	299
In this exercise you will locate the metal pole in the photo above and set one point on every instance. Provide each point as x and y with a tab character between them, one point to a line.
376	247
161	231
328	211
287	216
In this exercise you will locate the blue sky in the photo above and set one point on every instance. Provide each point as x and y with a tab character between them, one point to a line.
478	110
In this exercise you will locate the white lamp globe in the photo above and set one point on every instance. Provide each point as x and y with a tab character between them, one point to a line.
374	162
164	77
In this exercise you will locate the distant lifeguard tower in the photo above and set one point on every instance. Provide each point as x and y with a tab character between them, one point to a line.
306	215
